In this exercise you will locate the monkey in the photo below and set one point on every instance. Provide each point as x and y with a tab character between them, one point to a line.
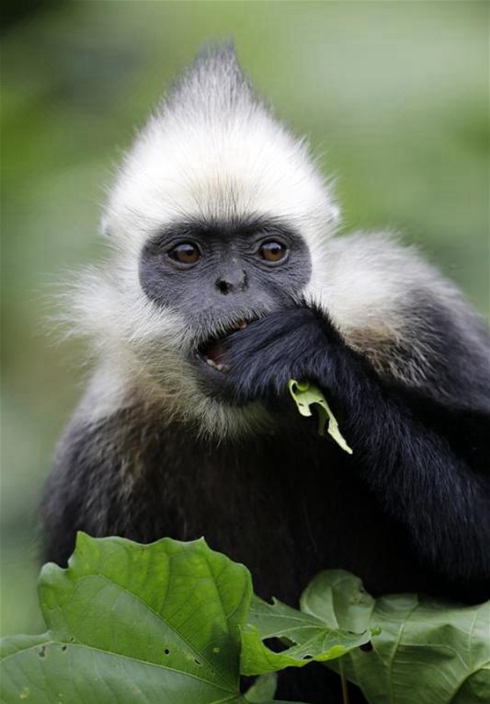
227	276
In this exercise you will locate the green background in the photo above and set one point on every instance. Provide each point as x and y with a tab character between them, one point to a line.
393	96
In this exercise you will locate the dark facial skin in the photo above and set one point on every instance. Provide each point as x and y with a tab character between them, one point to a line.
219	275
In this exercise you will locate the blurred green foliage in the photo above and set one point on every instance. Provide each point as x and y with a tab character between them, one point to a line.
394	98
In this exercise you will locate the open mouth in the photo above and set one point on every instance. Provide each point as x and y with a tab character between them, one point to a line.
212	351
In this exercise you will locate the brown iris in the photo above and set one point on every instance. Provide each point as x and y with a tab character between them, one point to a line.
273	251
185	253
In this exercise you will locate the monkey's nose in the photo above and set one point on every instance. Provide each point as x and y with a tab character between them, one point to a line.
232	282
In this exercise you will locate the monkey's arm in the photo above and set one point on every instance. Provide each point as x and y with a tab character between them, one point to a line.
426	460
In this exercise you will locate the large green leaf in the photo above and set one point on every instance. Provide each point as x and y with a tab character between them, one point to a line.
428	652
309	638
130	623
156	623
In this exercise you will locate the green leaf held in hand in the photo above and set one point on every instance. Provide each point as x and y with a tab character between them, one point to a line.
307	395
428	652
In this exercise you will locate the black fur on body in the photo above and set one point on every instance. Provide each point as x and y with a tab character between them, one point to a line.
408	511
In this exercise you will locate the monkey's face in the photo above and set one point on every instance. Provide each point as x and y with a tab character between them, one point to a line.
219	276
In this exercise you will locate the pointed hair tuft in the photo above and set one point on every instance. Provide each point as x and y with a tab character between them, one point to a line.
214	86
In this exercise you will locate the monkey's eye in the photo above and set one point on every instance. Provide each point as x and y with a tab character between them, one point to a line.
185	253
273	251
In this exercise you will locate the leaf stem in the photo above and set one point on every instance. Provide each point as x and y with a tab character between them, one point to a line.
344	683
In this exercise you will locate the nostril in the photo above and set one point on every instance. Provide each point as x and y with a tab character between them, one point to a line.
232	282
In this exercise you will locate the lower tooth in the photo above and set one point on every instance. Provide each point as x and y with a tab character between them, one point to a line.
219	367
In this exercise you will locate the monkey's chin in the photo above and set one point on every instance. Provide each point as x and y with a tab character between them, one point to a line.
213	380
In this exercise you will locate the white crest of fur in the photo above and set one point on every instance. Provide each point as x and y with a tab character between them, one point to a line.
214	150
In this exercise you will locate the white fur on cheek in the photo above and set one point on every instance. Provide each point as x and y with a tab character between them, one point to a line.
372	289
144	350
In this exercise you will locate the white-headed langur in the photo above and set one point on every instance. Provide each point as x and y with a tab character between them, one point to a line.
225	280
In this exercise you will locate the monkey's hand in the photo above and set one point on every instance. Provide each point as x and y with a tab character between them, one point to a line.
289	344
